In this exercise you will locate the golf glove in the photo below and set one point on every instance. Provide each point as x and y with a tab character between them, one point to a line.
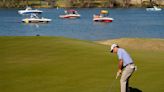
118	74
135	68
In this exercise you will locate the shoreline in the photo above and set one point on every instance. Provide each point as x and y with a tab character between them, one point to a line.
80	4
76	7
147	44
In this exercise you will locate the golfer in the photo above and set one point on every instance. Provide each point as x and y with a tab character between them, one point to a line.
125	66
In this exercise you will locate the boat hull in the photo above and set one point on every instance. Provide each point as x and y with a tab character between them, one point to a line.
70	16
154	9
36	20
29	11
106	20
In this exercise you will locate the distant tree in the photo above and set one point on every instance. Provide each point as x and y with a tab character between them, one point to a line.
112	3
51	2
126	3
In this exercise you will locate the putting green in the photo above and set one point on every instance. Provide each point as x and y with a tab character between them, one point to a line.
56	64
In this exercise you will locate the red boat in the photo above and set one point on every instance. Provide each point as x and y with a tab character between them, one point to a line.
70	14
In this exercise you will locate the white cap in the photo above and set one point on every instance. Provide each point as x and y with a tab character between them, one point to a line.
112	47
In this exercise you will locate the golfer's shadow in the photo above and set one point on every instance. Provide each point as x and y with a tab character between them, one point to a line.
134	89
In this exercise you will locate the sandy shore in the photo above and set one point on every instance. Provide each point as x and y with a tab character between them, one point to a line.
137	43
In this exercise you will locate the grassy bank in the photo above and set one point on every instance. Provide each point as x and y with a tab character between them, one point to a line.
55	64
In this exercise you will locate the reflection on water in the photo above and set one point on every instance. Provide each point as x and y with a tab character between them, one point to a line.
127	23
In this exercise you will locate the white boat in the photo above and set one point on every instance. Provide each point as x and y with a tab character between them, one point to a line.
70	14
102	17
35	19
29	10
154	8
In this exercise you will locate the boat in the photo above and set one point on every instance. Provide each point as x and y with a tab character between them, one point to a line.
35	19
102	17
29	10
154	8
70	14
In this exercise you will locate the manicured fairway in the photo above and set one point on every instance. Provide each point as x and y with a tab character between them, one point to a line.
56	64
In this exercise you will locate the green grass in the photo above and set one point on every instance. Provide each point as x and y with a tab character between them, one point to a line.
56	64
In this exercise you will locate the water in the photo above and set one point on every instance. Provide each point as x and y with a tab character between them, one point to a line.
128	23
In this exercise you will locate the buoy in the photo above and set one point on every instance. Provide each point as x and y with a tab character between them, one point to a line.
104	11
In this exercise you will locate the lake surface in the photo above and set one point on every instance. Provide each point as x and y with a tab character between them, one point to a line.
133	23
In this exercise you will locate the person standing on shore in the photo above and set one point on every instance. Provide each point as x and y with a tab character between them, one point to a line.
125	66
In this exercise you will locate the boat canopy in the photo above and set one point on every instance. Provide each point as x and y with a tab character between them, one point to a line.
28	8
71	10
104	12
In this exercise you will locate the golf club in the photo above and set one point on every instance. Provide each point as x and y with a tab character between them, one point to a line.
112	85
113	82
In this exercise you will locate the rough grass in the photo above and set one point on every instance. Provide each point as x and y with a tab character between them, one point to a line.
55	64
